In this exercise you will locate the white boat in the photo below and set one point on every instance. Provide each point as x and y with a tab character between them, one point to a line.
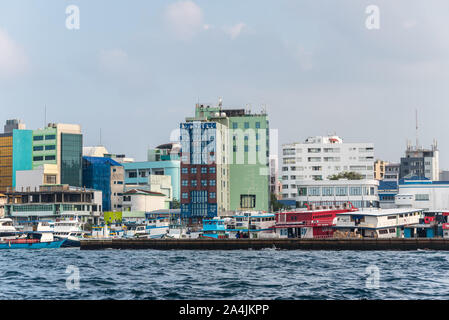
7	229
11	238
254	224
153	228
68	229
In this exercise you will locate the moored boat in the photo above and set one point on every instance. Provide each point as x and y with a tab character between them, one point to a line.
11	238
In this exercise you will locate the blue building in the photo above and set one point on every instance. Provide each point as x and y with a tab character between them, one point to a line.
136	173
387	191
106	175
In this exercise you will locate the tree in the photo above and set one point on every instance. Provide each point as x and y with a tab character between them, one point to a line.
346	175
175	204
275	204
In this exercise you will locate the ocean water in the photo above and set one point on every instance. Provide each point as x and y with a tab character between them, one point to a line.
265	274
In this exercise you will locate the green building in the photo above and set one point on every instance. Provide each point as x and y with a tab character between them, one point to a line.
248	155
60	145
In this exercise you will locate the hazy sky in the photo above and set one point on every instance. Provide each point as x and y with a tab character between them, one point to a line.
135	69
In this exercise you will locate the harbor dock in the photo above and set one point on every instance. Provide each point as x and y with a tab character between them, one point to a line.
258	244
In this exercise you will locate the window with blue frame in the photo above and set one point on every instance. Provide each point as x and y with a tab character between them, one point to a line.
185	170
212	170
212	195
204	183
193	183
192	170
185	183
185	195
212	182
203	169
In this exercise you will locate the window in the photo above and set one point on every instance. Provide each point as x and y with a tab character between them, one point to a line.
247	201
203	170
50	137
38	148
246	148
38	138
192	170
212	170
235	125
327	191
185	183
302	191
50	157
193	183
422	197
40	158
185	170
246	125
212	195
313	191
185	195
341	191
132	174
212	182
204	183
258	125
355	191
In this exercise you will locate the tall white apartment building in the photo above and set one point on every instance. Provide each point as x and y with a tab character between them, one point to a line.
320	157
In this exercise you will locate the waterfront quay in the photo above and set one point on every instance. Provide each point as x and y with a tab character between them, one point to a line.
258	244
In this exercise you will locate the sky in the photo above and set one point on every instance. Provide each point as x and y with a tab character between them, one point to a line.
136	69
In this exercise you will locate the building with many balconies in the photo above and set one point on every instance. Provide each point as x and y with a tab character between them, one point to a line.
318	158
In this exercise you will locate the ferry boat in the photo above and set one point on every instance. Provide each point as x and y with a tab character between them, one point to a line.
11	238
70	229
214	229
251	224
153	228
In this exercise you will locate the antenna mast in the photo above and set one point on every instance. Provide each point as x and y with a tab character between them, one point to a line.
417	142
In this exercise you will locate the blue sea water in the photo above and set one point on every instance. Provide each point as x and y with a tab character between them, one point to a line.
265	274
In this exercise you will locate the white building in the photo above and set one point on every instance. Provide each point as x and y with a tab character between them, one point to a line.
375	223
423	194
143	200
361	193
97	151
320	157
274	174
3	200
32	179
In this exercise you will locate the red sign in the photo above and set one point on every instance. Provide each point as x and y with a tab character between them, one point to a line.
445	226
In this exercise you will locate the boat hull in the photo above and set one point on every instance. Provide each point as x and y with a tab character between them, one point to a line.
36	245
71	243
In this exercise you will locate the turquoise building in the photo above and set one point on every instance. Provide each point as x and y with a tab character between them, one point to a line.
22	151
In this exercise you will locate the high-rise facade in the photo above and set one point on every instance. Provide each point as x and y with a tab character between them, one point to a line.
60	145
224	162
15	153
319	158
106	175
420	162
